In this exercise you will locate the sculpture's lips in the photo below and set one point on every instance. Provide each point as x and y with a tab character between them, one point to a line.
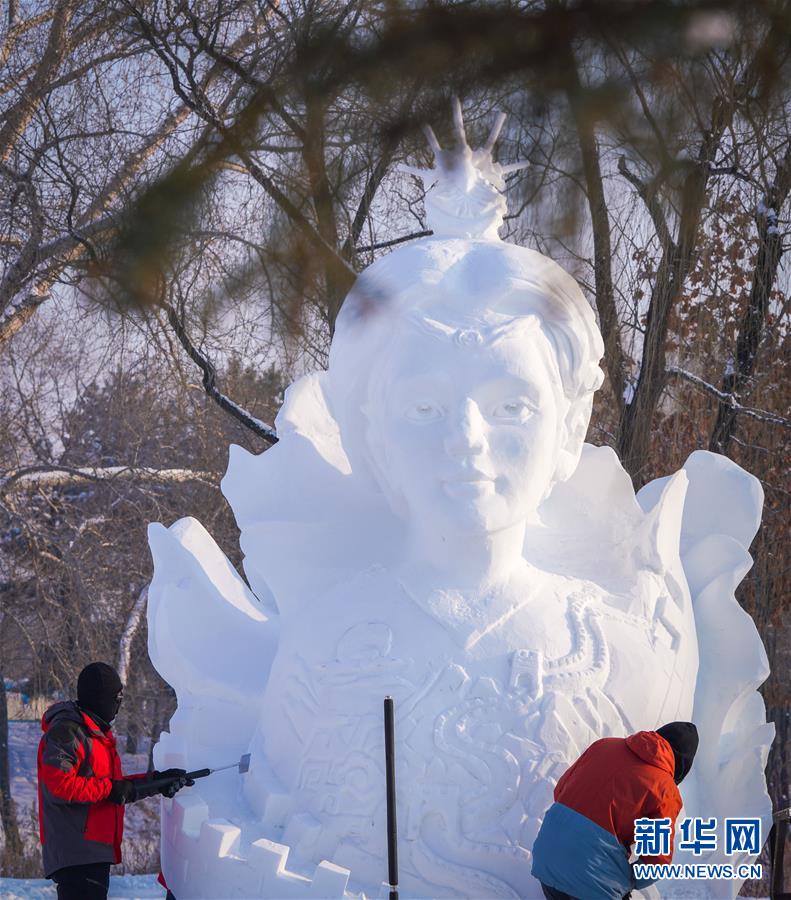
466	484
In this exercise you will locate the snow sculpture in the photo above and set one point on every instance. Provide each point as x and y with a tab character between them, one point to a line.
432	526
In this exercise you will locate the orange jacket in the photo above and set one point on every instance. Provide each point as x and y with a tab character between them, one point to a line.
618	780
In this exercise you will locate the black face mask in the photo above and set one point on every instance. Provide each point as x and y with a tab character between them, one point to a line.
683	740
99	691
106	710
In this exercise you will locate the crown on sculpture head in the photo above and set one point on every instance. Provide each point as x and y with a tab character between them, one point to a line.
464	196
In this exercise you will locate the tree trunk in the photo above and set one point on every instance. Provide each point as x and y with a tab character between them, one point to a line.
614	362
13	843
678	257
16	119
751	326
130	630
336	282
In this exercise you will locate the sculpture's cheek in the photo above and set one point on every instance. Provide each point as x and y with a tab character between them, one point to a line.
525	463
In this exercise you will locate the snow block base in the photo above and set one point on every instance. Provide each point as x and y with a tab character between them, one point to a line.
209	858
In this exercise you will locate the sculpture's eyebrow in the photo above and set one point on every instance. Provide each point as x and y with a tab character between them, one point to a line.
514	386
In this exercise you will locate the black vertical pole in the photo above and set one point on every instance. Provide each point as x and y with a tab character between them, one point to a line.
392	835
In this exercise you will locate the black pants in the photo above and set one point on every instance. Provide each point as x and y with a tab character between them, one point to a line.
88	882
551	893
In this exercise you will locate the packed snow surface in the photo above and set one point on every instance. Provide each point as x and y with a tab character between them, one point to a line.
128	887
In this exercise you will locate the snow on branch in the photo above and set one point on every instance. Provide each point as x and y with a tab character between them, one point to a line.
267	432
729	399
52	476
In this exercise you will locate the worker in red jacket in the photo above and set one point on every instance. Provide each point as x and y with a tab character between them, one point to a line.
582	849
82	790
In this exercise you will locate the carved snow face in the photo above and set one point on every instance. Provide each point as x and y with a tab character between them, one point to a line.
466	425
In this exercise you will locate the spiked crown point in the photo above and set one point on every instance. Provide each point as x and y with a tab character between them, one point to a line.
464	196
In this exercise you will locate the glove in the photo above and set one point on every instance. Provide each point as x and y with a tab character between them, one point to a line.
168	787
178	780
176	784
122	792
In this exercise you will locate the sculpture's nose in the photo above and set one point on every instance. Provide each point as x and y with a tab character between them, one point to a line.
466	431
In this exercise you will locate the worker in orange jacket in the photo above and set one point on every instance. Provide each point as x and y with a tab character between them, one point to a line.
582	849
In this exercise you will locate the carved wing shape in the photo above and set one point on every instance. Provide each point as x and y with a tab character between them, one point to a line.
721	516
301	500
210	639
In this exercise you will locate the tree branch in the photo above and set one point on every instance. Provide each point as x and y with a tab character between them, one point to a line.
400	240
648	194
56	476
70	245
16	119
729	400
233	64
267	432
23	309
232	143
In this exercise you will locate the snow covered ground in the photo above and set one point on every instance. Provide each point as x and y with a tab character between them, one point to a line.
141	827
121	886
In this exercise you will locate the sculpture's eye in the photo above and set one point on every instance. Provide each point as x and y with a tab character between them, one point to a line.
512	409
424	411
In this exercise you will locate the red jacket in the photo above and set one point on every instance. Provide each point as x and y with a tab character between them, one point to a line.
77	764
618	780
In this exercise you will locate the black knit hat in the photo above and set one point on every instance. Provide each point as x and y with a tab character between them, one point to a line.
98	687
683	740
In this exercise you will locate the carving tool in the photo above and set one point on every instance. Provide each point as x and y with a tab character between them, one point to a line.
243	764
151	787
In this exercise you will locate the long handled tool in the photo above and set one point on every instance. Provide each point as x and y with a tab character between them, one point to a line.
392	834
243	765
153	787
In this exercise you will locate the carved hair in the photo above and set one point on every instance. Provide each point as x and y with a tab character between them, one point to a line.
460	283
